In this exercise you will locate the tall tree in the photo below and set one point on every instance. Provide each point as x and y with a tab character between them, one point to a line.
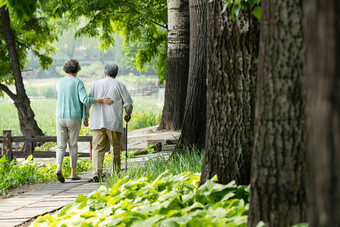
278	177
323	105
177	65
14	59
232	53
194	122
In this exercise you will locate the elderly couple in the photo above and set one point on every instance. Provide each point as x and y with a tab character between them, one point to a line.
108	97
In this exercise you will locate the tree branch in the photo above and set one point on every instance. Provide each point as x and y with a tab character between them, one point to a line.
5	89
163	26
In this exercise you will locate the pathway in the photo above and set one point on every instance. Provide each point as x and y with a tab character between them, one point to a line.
18	210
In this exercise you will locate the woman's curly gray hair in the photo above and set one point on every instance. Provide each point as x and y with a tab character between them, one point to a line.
72	66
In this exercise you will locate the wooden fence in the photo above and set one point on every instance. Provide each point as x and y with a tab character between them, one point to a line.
7	139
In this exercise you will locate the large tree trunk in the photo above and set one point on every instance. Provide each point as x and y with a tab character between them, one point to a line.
278	180
193	129
232	53
323	119
177	65
21	101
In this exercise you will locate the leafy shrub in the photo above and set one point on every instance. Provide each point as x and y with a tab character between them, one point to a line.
169	200
143	120
13	174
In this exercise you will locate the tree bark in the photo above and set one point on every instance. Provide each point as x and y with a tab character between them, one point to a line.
177	65
21	101
278	180
232	52
323	105
194	122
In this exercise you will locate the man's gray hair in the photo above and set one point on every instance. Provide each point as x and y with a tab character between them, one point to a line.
111	69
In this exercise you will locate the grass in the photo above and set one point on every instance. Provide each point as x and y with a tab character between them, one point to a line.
190	159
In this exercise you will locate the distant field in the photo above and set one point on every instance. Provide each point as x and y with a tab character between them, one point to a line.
146	113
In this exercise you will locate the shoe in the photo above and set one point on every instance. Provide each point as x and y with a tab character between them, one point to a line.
60	176
96	177
75	177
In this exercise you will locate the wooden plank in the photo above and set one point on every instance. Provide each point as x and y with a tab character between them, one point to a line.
28	147
7	145
44	139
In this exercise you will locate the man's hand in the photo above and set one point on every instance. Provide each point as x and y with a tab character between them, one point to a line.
86	122
127	118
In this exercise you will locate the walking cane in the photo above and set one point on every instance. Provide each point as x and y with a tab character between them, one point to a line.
126	156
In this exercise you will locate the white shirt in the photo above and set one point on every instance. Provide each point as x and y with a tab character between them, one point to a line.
109	116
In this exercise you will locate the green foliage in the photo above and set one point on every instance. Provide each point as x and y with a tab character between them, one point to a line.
23	8
143	24
33	33
237	5
169	200
13	174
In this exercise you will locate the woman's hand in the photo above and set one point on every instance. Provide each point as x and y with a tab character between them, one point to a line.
105	100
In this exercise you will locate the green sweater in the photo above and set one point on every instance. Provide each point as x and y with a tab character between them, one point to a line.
71	97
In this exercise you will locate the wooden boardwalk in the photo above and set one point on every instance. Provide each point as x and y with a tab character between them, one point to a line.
18	210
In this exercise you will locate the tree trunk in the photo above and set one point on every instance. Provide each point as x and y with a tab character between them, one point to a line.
177	65
232	52
194	122
278	180
21	101
323	104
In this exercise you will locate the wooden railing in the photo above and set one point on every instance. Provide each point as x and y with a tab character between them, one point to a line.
7	139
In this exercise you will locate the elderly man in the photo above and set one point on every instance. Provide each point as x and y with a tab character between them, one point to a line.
106	121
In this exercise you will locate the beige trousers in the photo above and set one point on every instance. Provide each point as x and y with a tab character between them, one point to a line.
67	132
100	137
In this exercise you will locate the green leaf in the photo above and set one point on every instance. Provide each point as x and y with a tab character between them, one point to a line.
29	158
3	160
81	198
113	201
235	10
257	12
2	3
252	2
261	224
224	8
89	214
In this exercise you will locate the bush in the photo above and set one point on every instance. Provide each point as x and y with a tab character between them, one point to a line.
13	174
169	200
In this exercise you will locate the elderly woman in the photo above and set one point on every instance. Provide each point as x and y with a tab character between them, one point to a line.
71	99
